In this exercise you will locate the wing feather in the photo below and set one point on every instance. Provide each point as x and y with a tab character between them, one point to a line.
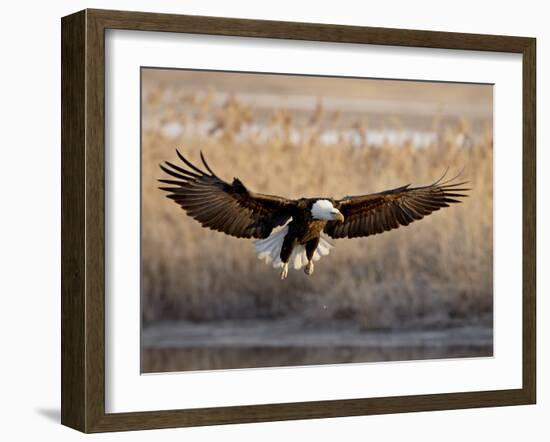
366	215
218	205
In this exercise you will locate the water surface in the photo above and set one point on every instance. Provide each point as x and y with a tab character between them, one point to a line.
182	346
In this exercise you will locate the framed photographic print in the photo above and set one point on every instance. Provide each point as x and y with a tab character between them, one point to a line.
269	220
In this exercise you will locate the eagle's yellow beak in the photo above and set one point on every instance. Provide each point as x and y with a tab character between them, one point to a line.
338	216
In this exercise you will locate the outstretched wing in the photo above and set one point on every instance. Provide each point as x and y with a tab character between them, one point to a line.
218	205
367	215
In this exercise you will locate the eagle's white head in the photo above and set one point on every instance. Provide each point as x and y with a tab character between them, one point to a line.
323	209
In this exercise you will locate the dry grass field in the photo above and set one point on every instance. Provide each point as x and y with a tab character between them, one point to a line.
435	273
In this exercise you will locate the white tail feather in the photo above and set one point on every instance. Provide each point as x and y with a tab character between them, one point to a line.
269	250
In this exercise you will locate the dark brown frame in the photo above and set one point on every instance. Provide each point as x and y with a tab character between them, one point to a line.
83	216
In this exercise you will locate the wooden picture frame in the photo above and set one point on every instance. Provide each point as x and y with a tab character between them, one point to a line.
83	220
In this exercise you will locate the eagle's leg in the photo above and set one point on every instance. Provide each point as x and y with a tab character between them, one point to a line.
284	271
286	251
310	251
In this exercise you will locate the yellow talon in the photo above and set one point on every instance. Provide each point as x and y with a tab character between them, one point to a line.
284	271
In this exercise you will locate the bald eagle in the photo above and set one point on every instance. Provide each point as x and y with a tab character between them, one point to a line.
297	231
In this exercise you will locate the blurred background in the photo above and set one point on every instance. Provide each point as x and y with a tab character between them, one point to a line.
419	292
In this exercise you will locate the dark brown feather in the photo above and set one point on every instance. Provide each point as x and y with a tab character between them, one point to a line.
367	215
218	205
